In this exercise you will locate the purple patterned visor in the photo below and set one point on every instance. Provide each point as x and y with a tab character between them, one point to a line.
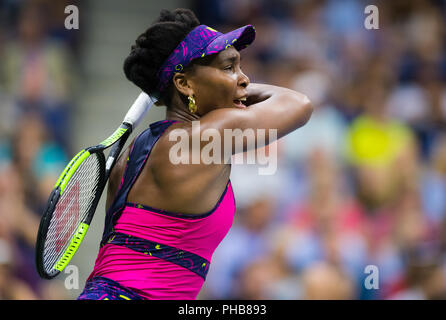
201	42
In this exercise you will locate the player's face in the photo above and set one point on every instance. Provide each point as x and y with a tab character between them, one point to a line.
218	82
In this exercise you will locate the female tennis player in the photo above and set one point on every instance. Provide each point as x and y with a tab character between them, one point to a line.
165	220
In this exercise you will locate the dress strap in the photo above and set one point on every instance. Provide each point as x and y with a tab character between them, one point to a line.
135	162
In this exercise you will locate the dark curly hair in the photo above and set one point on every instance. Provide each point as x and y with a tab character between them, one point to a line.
154	46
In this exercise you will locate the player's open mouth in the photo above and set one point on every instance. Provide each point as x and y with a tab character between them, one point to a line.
239	102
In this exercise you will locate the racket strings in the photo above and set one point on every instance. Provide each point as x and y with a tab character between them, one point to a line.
71	210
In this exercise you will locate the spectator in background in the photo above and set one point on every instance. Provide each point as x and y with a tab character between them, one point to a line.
324	281
330	226
36	84
299	145
11	288
256	280
433	184
17	222
376	145
38	159
21	175
37	72
250	234
424	278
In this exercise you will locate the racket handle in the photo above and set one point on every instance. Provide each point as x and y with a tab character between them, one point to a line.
139	108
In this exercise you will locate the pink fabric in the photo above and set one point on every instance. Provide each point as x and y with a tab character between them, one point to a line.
199	235
155	278
150	277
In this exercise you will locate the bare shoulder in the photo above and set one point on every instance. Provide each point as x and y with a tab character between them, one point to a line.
174	172
170	161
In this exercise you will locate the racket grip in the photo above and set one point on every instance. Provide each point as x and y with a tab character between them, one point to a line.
139	108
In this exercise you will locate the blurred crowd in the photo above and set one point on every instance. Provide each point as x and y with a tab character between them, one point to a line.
362	184
360	190
38	60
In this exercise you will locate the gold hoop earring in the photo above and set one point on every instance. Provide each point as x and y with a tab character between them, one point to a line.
192	105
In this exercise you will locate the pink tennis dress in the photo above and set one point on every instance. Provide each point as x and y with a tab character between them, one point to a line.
149	253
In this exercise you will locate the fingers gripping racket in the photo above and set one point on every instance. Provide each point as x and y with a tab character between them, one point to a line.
76	194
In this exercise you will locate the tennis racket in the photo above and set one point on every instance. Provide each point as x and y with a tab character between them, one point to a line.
73	201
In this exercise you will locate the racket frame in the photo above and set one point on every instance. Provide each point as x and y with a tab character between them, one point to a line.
117	140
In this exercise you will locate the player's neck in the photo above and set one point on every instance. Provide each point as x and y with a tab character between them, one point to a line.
180	114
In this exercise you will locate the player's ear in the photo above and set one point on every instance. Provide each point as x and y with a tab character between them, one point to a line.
182	83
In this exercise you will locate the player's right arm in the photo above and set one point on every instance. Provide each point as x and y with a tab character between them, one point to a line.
269	107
